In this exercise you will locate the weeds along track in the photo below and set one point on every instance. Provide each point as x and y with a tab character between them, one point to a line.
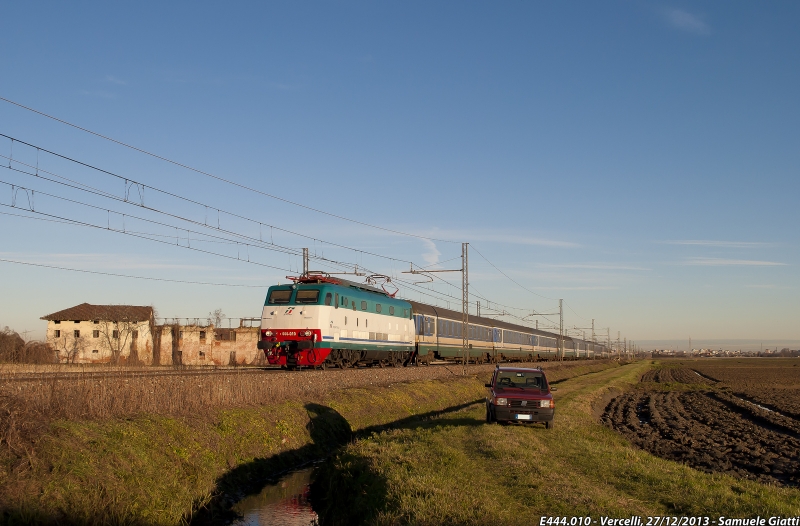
29	403
703	424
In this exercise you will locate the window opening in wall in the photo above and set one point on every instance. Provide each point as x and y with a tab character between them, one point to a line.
180	335
77	334
95	351
57	333
202	336
56	321
134	335
96	322
363	305
95	334
115	335
77	321
202	354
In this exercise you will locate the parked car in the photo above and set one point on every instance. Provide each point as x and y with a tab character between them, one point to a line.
520	395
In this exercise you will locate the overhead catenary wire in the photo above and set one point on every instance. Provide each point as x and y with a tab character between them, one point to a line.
241	186
222	179
86	188
83	187
112	274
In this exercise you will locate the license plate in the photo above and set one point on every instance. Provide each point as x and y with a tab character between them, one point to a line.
523	417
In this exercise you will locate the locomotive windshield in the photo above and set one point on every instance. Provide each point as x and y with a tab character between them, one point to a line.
307	296
279	297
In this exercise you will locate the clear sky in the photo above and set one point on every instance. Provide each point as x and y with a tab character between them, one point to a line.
638	159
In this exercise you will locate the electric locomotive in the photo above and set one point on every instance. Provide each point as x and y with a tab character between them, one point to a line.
320	321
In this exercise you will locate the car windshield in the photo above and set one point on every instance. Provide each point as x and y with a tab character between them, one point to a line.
520	380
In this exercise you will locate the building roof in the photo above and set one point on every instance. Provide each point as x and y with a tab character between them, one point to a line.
87	312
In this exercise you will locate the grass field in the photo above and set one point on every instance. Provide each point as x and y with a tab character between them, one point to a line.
456	469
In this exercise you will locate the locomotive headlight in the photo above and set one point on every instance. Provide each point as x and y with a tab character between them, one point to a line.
544	403
501	401
267	333
307	333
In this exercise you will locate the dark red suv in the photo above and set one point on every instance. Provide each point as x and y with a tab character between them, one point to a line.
520	395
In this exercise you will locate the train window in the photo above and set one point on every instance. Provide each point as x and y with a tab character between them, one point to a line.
328	298
307	296
353	304
391	310
406	314
336	301
279	297
378	308
363	305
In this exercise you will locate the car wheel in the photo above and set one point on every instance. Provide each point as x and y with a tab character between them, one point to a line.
548	424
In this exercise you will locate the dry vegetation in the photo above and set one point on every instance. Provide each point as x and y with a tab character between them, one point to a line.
131	448
13	349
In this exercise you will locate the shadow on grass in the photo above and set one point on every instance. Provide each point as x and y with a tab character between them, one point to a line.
329	431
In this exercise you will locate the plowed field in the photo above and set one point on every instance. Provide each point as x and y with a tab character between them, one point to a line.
702	420
774	382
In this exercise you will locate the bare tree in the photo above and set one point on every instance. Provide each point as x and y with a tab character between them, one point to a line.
119	330
215	318
68	347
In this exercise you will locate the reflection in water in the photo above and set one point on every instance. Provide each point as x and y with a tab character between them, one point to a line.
283	504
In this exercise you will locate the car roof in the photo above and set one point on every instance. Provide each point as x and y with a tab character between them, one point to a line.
520	369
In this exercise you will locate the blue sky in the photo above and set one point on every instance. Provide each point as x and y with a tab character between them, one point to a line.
638	159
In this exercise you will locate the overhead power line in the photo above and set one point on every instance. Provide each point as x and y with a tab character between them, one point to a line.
238	185
222	179
131	277
509	277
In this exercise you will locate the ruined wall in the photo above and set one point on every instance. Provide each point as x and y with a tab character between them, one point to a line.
165	345
205	345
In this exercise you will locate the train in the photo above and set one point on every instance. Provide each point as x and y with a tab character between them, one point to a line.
319	321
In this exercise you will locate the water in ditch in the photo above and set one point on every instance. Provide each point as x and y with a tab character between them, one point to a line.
285	503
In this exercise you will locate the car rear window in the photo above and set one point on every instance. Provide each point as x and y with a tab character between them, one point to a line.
279	297
307	296
523	380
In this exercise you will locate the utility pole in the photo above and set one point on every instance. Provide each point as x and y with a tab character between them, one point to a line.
465	302
594	340
608	338
478	308
561	327
618	349
537	325
305	262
